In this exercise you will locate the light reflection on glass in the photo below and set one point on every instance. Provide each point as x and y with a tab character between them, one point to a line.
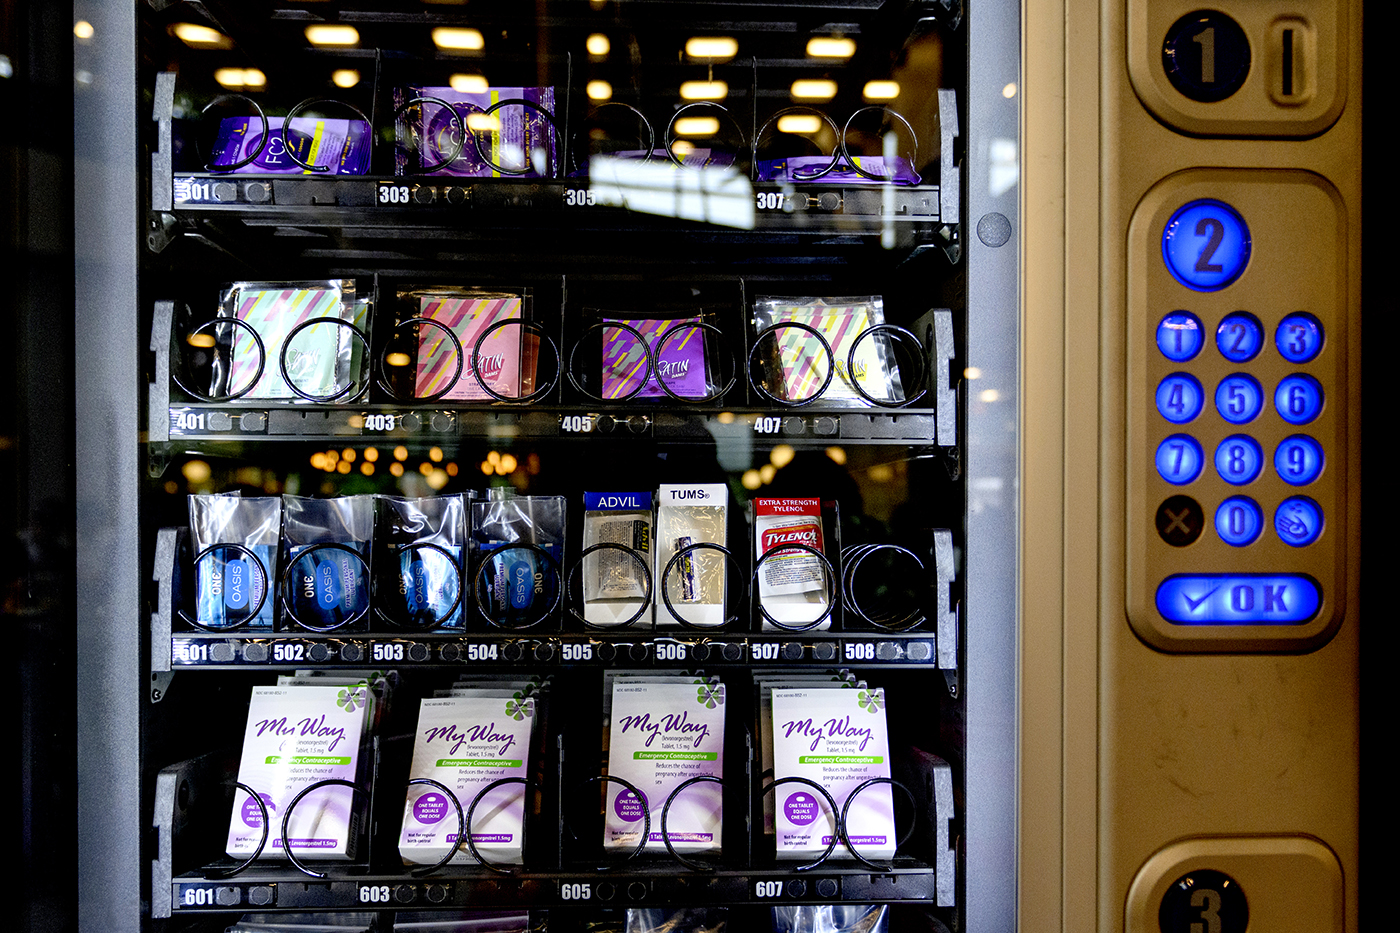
831	47
801	124
881	90
468	84
704	90
714	48
697	126
818	89
201	37
332	34
599	90
598	45
345	77
458	38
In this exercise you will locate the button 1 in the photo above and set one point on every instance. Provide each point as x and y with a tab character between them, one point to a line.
1298	398
1239	459
1239	399
1298	460
1239	337
1180	520
1206	56
1298	521
1238	599
1239	520
1299	337
1179	459
1179	398
1206	245
1204	900
1180	336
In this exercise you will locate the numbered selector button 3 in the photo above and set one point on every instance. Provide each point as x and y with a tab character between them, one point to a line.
1180	398
1299	337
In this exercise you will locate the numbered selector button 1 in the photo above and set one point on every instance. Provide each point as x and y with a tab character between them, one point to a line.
1239	399
1179	459
1298	521
1179	398
1206	56
1238	521
1239	459
1299	337
1206	245
1298	460
1239	337
1298	398
1180	336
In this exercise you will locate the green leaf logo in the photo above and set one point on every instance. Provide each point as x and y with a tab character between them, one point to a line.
520	708
710	695
351	698
870	700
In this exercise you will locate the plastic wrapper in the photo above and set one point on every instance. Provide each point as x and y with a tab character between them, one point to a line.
831	918
508	356
517	550
689	515
614	583
228	588
517	138
799	169
466	921
326	556
325	361
420	545
796	363
792	584
342	147
677	920
682	361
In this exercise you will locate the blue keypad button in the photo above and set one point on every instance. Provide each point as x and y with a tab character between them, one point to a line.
1179	398
1298	398
1239	399
1179	459
1239	459
1299	337
1298	521
1239	599
1206	245
1298	460
1239	520
1180	336
1239	337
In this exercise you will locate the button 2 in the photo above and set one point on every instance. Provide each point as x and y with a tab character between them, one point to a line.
1206	245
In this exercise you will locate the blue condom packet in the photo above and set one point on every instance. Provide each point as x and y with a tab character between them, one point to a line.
516	557
325	583
235	548
418	548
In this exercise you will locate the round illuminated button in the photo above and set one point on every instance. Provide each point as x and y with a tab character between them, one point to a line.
1298	460
1239	337
1239	520
1239	399
1206	245
1298	398
1179	398
1298	521
1239	459
1206	56
1180	336
1299	337
1179	459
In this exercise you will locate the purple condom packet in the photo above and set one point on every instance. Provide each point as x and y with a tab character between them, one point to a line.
341	147
896	170
520	138
680	360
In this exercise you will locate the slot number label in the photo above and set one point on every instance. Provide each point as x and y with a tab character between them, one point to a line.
670	651
482	652
381	422
374	894
579	197
768	889
860	651
189	652
288	652
578	652
197	897
576	424
767	651
390	194
575	891
187	421
769	200
387	652
767	424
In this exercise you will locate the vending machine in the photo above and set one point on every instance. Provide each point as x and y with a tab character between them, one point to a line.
628	465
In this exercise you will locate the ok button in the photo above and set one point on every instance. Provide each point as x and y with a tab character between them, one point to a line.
1238	599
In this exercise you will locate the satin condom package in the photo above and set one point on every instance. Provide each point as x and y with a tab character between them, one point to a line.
797	362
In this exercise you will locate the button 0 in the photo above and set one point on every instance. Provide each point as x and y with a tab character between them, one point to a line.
1238	521
1206	56
1206	245
1238	599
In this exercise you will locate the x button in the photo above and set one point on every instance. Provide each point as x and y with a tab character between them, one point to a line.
1180	520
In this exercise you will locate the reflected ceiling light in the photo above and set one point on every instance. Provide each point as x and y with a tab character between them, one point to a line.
345	77
200	339
332	34
801	124
398	358
881	90
437	479
484	122
435	454
837	455
196	471
704	90
597	4
343	467
400	453
697	126
396	469
819	89
767	472
367	468
599	90
972	372
598	44
201	37
82	29
239	79
1009	91
988	395
371	454
682	148
781	455
831	47
457	37
751	479
713	48
469	84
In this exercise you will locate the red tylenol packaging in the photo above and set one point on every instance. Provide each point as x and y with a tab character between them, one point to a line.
792	584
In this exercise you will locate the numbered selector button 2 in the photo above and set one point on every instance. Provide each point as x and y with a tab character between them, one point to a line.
1206	245
1179	398
1239	337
